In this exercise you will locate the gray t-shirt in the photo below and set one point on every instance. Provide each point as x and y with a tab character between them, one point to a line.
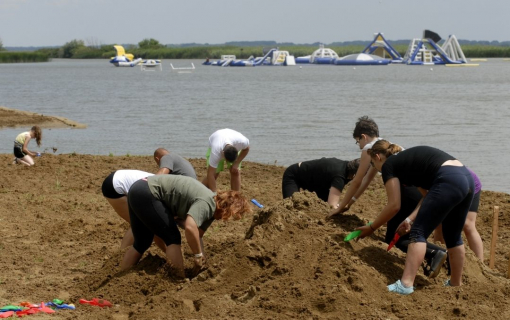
178	165
184	196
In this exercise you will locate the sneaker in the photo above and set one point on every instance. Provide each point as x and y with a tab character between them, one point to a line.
399	288
447	283
433	265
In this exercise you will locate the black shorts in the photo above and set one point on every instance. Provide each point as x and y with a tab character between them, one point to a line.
108	189
476	202
18	152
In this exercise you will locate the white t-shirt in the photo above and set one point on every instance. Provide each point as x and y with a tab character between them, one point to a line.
370	144
124	179
218	141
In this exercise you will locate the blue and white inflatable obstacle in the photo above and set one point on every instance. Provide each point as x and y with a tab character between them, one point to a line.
361	59
426	51
121	61
273	57
319	56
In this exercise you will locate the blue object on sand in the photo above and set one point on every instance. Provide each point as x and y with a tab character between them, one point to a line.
255	202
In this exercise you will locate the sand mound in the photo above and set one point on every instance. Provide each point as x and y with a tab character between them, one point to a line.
60	239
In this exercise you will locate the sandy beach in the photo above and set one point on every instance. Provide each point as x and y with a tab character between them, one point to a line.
60	239
16	118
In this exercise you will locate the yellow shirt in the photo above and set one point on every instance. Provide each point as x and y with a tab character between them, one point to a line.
22	137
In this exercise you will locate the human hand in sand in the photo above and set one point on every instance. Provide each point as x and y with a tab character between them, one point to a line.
336	211
365	231
200	265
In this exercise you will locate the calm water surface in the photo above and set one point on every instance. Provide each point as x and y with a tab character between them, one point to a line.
290	114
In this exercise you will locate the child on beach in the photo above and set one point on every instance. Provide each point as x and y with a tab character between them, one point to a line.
21	152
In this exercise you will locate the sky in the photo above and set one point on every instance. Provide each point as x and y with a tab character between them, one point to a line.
26	23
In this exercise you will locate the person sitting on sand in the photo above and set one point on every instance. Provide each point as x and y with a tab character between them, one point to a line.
448	190
326	177
158	204
115	189
172	163
225	145
21	152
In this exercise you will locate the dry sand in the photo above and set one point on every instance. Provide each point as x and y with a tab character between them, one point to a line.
60	239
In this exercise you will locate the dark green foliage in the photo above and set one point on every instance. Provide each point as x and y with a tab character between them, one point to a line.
16	57
69	49
150	44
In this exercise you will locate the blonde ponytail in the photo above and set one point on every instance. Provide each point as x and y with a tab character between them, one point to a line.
385	148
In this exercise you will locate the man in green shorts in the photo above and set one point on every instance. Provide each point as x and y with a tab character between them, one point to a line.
225	145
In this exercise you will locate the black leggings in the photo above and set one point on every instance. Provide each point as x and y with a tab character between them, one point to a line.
447	202
409	198
149	217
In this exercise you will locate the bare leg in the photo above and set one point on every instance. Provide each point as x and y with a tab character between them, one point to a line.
174	257
128	239
160	243
130	259
472	235
415	256
120	206
457	256
26	160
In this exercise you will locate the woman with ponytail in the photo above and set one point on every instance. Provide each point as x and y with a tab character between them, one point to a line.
365	134
447	187
21	153
161	203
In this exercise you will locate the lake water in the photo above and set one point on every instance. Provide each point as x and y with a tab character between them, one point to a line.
290	114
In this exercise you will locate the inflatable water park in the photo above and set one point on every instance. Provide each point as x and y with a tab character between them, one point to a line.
421	51
329	56
381	48
426	51
123	59
274	57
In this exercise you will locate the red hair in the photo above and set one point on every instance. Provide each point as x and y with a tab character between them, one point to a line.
230	204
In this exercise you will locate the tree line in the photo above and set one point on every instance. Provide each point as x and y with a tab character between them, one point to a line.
150	48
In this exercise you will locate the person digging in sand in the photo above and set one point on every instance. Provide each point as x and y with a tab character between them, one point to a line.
21	153
447	187
161	203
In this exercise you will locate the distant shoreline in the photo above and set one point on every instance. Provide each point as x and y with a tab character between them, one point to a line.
11	118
